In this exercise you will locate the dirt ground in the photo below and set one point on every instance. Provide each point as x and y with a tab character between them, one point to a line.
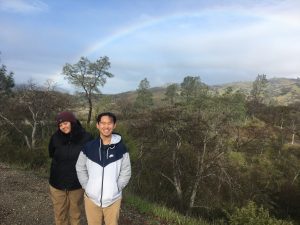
24	200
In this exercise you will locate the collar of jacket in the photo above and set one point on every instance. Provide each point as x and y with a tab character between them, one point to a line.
115	139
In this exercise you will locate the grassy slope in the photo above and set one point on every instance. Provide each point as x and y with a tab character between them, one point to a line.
282	91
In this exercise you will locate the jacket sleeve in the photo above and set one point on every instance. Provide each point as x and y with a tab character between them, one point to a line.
125	172
81	169
51	148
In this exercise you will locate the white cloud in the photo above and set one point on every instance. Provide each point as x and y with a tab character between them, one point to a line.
219	43
22	6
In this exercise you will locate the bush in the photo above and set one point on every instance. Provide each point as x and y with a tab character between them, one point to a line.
252	215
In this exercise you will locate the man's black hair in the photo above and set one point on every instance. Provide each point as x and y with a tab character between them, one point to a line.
109	114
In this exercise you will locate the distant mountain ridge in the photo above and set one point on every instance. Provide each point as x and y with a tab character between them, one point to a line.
281	91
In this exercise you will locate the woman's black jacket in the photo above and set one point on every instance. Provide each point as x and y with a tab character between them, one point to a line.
64	150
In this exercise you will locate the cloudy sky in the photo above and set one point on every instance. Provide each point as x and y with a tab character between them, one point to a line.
164	40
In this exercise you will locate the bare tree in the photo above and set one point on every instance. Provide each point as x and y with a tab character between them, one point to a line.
30	108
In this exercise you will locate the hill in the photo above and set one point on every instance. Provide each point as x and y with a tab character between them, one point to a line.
280	91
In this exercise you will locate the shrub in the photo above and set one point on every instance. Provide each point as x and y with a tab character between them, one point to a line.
253	215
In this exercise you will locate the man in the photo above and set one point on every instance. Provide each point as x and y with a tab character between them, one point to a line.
103	169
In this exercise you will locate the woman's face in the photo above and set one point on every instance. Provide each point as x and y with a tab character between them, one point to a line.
65	127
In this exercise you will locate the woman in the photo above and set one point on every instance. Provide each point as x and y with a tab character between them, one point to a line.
64	148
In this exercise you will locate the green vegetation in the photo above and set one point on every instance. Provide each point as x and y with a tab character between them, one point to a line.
144	96
279	91
162	212
197	153
253	215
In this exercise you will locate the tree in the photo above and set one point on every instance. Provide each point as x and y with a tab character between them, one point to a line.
30	109
294	121
171	93
6	85
144	96
6	81
186	145
88	76
259	88
257	94
192	87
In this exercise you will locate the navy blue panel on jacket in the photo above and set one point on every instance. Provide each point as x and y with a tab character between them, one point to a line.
106	154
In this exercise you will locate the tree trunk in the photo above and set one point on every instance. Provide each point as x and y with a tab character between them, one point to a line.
17	129
200	170
90	110
294	131
34	128
175	173
175	179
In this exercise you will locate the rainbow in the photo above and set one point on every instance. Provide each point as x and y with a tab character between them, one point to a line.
205	11
125	31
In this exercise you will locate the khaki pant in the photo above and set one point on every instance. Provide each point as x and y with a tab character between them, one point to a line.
95	214
67	206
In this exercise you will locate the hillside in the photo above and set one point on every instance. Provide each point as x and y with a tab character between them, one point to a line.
281	91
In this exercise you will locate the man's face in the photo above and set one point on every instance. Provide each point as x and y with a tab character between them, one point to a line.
65	127
106	126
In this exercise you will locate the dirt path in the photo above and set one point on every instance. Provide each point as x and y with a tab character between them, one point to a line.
24	200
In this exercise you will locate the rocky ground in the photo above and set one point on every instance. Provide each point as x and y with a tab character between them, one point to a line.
24	200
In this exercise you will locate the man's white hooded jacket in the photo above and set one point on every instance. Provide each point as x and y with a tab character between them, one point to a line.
103	173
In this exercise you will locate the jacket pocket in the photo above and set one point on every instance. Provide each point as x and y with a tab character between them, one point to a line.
93	189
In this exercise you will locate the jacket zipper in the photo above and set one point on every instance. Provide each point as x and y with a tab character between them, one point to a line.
69	153
102	187
102	158
100	153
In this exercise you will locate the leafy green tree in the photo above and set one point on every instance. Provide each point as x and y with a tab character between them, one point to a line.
192	88
88	76
258	90
257	95
172	93
144	97
6	85
6	81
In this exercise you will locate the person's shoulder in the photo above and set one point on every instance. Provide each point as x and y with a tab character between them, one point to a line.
122	146
88	136
90	146
92	142
116	138
55	135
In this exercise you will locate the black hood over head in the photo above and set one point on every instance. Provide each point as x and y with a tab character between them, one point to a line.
77	131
